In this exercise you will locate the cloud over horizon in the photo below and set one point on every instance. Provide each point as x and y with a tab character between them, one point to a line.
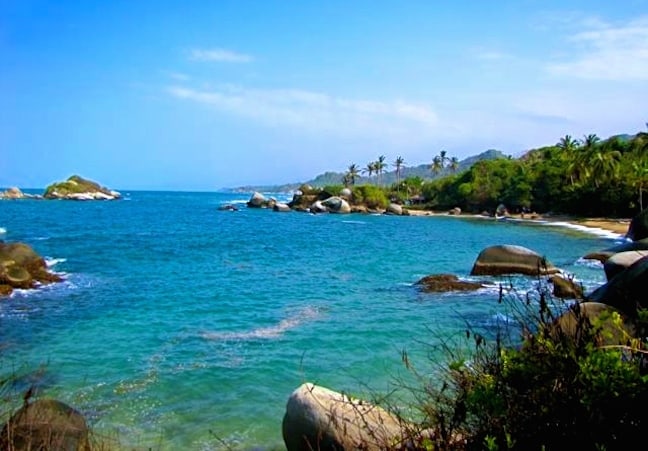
314	111
219	55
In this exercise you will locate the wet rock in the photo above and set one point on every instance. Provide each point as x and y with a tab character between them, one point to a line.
511	259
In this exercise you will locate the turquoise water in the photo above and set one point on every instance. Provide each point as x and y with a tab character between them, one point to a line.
183	327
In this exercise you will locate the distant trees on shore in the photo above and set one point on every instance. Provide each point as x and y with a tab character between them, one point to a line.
588	176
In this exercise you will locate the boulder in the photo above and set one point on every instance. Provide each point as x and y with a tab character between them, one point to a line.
318	207
257	200
603	255
597	314
626	290
78	188
638	229
621	261
455	211
281	207
566	288
438	283
346	193
12	193
394	209
22	267
228	207
45	424
511	259
336	204
359	209
319	418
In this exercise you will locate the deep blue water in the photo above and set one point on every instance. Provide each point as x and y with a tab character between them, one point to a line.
183	327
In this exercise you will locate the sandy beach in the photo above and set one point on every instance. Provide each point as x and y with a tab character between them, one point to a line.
613	225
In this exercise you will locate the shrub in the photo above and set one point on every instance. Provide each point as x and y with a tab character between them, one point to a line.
536	384
371	196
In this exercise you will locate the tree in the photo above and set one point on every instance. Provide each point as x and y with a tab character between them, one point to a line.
454	164
352	174
379	166
436	165
568	144
370	169
398	164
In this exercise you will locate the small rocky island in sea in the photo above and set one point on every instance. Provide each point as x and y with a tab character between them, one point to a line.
74	188
78	188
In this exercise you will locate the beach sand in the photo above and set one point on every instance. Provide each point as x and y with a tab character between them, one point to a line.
619	226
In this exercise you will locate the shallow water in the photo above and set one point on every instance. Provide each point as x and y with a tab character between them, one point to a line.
180	326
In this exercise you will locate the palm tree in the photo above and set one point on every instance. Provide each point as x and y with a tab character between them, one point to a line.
443	157
437	165
568	144
379	166
370	169
352	174
454	164
591	140
399	164
602	164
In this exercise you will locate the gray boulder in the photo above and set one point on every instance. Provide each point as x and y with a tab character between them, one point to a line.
511	259
281	207
626	291
638	229
603	255
621	261
319	418
336	204
258	200
394	209
318	207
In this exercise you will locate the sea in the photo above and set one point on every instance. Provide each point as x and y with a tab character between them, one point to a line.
182	326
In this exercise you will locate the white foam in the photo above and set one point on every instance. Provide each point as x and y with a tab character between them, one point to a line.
2	230
54	261
591	230
590	263
303	315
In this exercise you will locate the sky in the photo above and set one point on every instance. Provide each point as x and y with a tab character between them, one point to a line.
202	95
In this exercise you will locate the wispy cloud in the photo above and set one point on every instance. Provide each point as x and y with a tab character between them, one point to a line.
219	55
314	111
607	52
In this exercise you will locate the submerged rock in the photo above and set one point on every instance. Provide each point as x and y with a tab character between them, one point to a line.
511	259
439	283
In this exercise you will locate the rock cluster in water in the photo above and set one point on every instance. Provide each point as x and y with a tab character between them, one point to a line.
74	188
22	267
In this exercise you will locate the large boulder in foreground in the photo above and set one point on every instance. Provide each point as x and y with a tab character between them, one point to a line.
621	261
319	418
511	259
440	283
22	267
627	290
587	314
78	188
45	424
638	229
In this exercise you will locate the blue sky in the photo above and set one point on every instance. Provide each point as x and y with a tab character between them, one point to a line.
199	95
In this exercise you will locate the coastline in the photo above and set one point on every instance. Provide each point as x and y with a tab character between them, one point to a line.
599	226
